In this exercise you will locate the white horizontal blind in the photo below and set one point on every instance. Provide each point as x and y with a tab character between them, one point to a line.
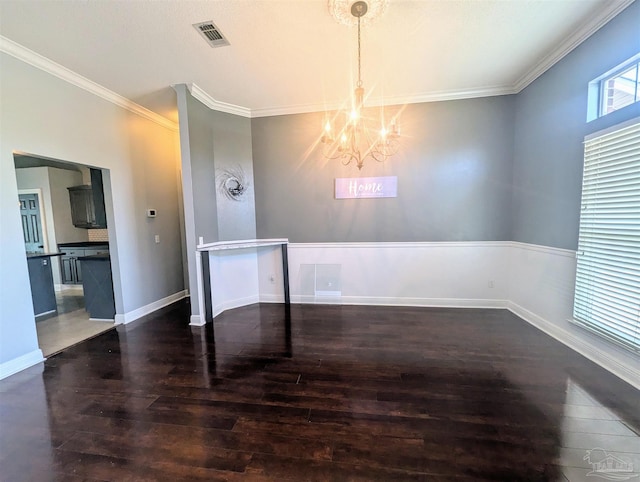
607	297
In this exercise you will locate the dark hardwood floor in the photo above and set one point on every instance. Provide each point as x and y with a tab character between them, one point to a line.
323	393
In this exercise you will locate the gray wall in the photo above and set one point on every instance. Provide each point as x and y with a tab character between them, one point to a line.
454	178
218	143
233	155
202	170
551	123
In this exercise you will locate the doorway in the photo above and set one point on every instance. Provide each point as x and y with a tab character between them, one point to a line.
49	228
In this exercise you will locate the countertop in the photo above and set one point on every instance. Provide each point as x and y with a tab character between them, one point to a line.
83	244
43	255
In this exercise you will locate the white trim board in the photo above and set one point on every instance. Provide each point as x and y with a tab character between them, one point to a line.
413	302
123	319
20	363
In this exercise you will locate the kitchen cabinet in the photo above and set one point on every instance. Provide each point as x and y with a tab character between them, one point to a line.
98	287
71	268
87	203
41	280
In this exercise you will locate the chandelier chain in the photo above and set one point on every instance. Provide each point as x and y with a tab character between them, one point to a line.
359	61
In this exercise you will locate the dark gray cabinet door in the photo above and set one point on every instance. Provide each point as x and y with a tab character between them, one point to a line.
70	266
87	203
41	280
82	211
66	266
98	198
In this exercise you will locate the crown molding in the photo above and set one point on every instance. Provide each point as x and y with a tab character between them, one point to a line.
40	62
214	104
591	26
388	101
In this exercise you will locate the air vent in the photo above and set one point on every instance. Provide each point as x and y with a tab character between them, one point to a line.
211	34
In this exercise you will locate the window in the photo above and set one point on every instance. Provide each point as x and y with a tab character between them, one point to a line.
607	295
620	90
615	89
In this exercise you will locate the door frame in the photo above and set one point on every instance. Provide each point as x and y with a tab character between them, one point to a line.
43	215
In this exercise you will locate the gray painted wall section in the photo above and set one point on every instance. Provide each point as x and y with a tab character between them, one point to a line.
551	123
454	178
202	169
219	143
233	155
190	240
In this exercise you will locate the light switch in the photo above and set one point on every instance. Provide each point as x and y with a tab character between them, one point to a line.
157	237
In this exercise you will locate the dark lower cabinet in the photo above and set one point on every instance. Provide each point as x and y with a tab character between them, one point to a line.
98	286
70	267
71	270
41	280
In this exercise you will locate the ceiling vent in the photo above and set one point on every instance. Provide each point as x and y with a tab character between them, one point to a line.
211	34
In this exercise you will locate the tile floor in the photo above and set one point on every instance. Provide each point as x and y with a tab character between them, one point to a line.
71	325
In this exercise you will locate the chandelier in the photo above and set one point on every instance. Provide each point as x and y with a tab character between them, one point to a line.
358	139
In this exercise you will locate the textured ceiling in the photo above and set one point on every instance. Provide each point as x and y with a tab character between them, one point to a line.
292	56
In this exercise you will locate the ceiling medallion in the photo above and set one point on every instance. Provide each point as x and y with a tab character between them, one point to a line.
341	10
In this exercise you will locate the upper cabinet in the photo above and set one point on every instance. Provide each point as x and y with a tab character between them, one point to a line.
87	203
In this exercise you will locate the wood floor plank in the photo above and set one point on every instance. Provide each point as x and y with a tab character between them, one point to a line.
342	393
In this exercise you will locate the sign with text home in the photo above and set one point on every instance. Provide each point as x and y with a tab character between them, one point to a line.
366	187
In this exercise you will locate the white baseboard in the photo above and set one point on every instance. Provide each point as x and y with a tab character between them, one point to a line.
105	320
392	301
45	313
235	303
608	361
196	320
150	308
271	298
20	363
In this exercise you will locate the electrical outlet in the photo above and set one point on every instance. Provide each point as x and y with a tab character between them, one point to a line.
272	278
157	238
490	283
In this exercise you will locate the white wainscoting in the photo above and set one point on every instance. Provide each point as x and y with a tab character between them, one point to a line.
234	279
534	282
416	274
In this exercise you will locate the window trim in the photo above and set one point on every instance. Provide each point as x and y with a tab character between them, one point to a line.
596	88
